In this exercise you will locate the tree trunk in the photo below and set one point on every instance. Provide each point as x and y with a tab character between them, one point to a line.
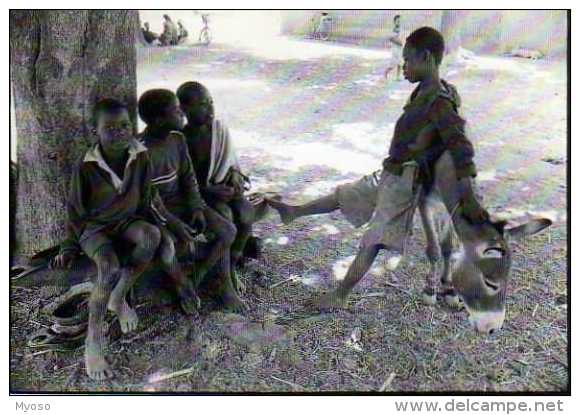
62	62
139	37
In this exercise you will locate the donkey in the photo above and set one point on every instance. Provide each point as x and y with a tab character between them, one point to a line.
480	274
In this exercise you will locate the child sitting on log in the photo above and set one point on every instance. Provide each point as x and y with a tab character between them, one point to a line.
112	198
174	178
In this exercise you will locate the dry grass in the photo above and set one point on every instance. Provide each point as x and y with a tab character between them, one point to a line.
282	112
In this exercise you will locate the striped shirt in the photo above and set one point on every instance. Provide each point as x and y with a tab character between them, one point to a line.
172	173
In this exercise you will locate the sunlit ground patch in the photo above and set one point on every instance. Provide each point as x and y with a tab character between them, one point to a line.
282	240
227	84
370	80
521	215
487	175
341	266
327	229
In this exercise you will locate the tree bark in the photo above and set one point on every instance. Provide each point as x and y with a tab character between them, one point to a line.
62	63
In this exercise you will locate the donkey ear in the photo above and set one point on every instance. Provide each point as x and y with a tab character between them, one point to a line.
531	228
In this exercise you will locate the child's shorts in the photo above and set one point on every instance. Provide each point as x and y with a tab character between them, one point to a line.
392	220
357	200
96	236
396	56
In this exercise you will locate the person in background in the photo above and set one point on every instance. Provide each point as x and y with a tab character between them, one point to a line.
395	44
149	36
170	35
323	30
182	32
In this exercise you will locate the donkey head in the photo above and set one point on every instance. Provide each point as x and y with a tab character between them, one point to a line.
482	270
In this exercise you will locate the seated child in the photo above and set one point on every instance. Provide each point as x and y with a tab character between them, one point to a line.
221	182
149	36
174	177
429	126
170	34
111	198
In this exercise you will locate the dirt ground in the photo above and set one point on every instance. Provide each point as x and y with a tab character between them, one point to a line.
306	116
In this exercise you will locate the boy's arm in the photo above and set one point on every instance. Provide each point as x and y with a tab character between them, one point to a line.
153	206
235	178
165	218
188	178
451	129
75	212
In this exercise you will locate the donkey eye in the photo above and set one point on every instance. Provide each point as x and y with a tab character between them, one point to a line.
494	252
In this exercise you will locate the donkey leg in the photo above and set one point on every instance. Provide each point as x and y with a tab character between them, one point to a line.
429	294
449	294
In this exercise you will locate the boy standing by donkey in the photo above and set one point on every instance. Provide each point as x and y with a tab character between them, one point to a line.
429	126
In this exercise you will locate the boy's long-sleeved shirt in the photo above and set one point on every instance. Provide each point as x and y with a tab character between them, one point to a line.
98	198
173	174
432	122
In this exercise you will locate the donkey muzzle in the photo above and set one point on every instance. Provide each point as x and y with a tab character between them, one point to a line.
486	322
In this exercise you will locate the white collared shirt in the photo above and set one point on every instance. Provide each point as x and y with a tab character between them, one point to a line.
95	155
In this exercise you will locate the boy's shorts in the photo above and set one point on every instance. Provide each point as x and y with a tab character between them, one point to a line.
96	236
392	220
357	200
396	56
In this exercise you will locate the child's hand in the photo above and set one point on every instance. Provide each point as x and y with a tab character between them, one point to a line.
238	182
198	220
184	233
473	210
61	261
222	192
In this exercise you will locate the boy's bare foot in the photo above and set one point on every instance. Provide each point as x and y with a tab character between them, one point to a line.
128	319
233	303
287	213
189	303
96	366
188	299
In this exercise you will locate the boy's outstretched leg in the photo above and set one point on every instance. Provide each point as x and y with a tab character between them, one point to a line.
146	238
107	272
289	213
361	264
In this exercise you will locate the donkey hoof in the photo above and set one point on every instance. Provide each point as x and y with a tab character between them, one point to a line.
429	297
453	301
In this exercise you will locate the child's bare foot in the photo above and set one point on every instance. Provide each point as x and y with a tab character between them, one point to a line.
96	366
128	319
189	303
188	299
233	303
287	213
